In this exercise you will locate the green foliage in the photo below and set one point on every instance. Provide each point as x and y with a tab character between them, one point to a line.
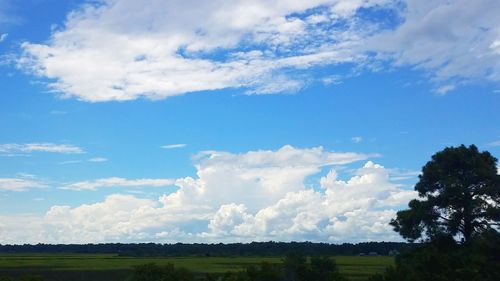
266	272
32	278
445	260
459	192
324	269
154	272
23	278
294	268
107	267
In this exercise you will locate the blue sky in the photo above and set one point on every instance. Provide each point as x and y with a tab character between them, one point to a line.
234	121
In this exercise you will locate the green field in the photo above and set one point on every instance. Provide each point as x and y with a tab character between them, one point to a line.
356	268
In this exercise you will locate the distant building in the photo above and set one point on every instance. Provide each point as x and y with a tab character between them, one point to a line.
373	254
393	252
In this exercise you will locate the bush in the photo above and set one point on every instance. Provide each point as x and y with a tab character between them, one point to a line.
154	272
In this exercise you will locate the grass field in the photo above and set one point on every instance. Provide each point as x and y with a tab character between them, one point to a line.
356	268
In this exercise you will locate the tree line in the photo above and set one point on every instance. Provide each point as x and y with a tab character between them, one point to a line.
233	249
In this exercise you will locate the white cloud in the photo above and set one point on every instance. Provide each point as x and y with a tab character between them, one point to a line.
18	229
332	80
3	37
97	159
123	50
116	181
92	160
402	175
10	148
443	90
448	39
357	139
19	184
256	178
173	146
58	112
494	143
8	14
70	162
257	195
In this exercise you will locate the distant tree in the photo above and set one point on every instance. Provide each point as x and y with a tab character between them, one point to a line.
324	269
266	272
154	272
295	267
459	192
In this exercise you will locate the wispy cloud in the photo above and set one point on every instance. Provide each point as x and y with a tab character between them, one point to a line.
67	162
118	182
173	146
403	175
97	159
19	184
494	143
261	45
92	160
445	89
58	112
3	37
357	139
332	80
11	148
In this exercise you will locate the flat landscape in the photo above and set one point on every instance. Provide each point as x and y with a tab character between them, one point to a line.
114	267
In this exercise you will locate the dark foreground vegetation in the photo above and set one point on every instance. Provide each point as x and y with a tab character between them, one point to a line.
294	267
455	219
446	260
457	215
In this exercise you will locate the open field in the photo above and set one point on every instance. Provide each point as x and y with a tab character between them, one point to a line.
84	265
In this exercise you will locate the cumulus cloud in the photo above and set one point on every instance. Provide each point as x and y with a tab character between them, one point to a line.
19	184
10	148
256	178
116	181
257	195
